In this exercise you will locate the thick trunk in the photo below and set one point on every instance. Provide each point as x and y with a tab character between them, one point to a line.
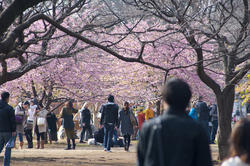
158	107
225	108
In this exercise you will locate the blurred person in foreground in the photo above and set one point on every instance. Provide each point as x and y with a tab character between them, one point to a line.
239	145
174	139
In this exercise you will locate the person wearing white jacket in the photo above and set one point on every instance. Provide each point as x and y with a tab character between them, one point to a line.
240	145
40	125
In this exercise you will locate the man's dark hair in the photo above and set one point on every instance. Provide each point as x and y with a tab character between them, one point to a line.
200	97
5	96
26	103
111	98
177	93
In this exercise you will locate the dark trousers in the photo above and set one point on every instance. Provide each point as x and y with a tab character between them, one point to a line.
84	128
29	137
214	130
73	143
108	135
127	140
39	135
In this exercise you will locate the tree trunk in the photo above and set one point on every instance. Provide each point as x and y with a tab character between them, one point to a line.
225	103
158	107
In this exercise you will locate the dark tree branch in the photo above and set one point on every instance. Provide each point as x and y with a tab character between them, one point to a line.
9	15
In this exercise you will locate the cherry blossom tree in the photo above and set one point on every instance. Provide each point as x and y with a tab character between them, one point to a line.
170	36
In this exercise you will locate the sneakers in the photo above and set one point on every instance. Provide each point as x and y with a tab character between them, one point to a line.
109	151
106	150
82	142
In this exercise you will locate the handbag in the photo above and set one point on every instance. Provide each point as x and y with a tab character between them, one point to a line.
19	119
40	121
132	119
28	125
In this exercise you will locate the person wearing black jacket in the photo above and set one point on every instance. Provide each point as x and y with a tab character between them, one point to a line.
174	138
7	126
85	117
109	119
203	114
52	126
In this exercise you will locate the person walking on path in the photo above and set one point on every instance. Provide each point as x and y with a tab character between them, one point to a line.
141	119
85	117
68	123
125	118
240	145
29	124
7	126
203	114
214	119
174	138
21	113
40	125
52	127
109	119
149	112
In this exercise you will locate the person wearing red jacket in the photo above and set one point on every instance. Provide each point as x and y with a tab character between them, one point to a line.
141	119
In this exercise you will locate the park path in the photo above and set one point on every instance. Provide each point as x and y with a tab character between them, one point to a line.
84	155
55	155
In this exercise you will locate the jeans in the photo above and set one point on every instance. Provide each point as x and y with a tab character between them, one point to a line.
20	136
108	135
4	138
115	137
29	138
88	127
214	130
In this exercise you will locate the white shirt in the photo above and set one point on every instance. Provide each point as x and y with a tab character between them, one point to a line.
234	161
31	112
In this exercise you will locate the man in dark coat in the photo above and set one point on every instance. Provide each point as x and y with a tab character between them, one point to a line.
109	119
203	114
7	126
174	139
214	119
85	116
52	126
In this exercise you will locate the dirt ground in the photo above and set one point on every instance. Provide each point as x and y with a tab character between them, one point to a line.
84	155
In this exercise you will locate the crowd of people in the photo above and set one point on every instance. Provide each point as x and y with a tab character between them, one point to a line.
181	136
